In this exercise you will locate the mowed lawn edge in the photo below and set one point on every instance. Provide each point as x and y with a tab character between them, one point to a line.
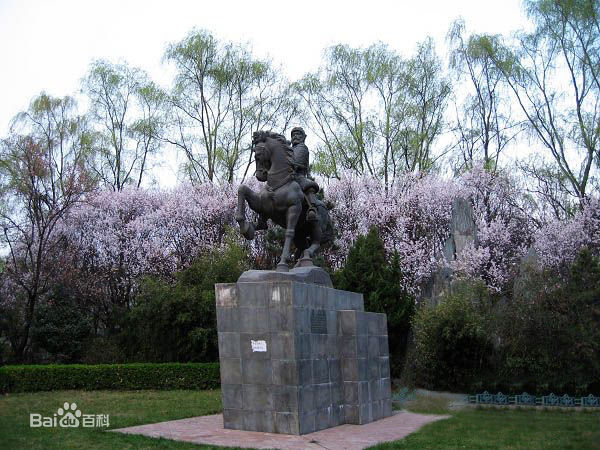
472	428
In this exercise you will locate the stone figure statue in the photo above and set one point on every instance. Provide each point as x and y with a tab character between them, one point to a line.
301	163
288	198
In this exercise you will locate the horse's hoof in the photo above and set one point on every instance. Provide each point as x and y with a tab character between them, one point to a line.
282	267
305	261
247	230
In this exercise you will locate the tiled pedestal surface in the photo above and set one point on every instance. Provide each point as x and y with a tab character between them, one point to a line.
300	357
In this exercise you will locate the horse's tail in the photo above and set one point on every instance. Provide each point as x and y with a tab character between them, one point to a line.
327	231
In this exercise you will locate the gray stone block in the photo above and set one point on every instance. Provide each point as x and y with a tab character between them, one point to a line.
281	319
226	295
332	318
254	320
386	408
318	297
352	414
384	367
337	415
384	349
229	345
320	371
323	419
362	369
356	301
228	320
253	295
306	398
351	392
280	294
321	367
231	370
285	398
300	296
375	390
256	371
259	421
362	346
383	324
348	322
307	422
362	323
286	423
318	346
386	388
305	377
322	396
342	300
257	398
233	419
232	396
364	394
302	320
246	345
333	346
365	413
373	346
350	369
309	275
285	372
282	346
373	369
372	324
376	410
302	345
337	394
347	346
335	370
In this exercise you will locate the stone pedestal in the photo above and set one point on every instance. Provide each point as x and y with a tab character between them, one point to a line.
298	357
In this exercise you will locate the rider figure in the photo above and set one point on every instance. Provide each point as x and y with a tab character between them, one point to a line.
301	162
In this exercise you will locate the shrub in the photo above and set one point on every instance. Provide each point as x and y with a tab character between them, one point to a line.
367	271
109	376
452	340
551	335
177	322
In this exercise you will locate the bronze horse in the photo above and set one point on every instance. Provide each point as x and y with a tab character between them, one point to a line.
282	201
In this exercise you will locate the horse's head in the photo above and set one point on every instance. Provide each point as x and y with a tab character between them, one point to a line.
263	161
272	154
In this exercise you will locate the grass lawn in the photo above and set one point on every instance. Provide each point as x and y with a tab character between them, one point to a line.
470	429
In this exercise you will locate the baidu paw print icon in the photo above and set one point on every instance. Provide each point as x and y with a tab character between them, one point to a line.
69	415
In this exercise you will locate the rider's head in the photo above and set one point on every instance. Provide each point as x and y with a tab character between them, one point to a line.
298	135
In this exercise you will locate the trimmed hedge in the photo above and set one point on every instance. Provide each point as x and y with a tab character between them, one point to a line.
32	378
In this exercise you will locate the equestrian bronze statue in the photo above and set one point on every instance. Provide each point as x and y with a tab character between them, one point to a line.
288	198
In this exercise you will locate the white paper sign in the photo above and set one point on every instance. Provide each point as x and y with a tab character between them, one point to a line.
259	346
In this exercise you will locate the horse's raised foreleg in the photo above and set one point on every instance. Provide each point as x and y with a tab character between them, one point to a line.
293	213
245	194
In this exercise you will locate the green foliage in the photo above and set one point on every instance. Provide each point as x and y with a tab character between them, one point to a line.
367	271
452	340
54	377
177	321
552	336
61	327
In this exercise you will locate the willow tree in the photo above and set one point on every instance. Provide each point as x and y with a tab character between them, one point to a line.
222	94
553	73
375	113
127	113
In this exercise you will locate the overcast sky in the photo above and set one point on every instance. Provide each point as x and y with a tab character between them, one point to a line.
48	45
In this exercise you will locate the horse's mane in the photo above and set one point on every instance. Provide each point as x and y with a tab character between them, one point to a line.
261	136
